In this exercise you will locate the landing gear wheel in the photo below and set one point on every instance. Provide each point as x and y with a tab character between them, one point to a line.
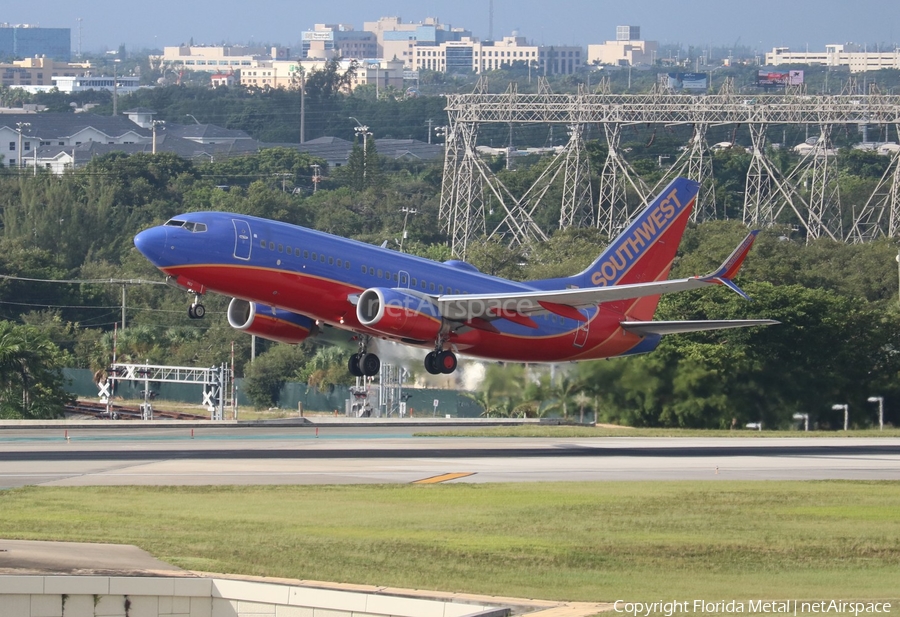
370	364
431	364
353	366
446	361
199	311
191	312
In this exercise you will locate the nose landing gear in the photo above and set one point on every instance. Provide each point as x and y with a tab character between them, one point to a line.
196	310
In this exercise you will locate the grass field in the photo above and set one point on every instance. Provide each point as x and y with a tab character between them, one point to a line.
574	541
545	430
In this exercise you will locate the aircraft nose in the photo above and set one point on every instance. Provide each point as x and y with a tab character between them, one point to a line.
151	243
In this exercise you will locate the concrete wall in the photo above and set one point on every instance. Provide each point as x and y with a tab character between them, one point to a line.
110	596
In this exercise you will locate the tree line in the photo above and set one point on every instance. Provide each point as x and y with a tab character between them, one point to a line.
837	303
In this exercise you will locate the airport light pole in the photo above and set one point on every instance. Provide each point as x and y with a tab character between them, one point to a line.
192	116
880	401
845	407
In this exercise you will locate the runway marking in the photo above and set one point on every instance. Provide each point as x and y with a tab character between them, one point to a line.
444	477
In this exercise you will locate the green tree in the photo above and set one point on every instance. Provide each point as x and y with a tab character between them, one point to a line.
31	382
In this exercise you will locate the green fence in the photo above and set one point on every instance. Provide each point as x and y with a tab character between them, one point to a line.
421	400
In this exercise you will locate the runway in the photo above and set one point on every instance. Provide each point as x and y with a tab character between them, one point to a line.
393	454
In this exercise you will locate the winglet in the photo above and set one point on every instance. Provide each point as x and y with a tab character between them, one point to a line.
730	267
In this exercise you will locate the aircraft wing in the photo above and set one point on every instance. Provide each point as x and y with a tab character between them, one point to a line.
644	328
518	306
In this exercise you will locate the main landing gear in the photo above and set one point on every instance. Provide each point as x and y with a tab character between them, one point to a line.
196	310
363	363
438	362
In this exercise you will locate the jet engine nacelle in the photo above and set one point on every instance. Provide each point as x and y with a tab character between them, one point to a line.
270	323
396	312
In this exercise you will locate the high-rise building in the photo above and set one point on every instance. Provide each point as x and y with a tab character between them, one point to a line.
27	41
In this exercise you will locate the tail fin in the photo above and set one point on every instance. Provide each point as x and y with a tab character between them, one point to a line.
644	252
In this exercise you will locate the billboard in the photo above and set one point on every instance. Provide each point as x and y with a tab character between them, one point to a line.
688	81
773	79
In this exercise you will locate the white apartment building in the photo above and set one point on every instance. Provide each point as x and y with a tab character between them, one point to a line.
124	84
470	55
627	50
836	55
216	59
283	73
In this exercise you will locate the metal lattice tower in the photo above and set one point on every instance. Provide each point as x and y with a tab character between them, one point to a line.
577	202
695	163
881	213
768	192
613	210
824	215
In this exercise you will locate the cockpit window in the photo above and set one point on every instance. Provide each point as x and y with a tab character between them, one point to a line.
191	227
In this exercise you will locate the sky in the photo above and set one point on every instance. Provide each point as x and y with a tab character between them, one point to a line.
758	24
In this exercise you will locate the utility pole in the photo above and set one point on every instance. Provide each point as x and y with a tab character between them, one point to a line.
153	125
21	126
406	212
430	122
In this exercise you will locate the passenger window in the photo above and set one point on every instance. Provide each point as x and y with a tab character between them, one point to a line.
414	282
364	270
262	243
387	275
314	258
287	250
271	246
280	248
305	254
440	289
296	252
340	263
331	261
371	271
379	272
347	265
431	287
423	284
396	279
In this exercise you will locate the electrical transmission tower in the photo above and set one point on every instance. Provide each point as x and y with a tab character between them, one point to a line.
806	196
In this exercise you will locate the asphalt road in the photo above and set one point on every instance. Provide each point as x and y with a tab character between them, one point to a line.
342	455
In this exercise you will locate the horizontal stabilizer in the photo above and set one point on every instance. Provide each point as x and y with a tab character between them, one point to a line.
643	328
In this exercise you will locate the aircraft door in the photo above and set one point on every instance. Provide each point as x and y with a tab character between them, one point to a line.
581	334
243	241
403	279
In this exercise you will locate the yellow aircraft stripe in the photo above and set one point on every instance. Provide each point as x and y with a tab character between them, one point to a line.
443	478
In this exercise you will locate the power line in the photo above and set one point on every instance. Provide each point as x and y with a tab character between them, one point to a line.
84	281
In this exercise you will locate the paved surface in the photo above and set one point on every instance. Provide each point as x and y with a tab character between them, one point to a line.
33	557
340	455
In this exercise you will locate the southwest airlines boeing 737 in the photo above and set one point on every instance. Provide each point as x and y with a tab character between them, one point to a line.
287	281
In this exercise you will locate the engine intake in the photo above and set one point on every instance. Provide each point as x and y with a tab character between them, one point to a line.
269	322
397	313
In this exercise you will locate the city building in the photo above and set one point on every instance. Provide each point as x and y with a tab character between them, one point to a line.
124	84
283	74
327	41
397	40
627	50
27	41
216	59
472	55
39	71
837	55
